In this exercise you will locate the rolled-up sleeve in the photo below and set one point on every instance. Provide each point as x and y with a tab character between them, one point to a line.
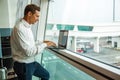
41	47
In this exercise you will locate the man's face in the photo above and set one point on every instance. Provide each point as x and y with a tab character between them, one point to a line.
34	17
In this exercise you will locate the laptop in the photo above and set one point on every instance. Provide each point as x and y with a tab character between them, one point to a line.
62	40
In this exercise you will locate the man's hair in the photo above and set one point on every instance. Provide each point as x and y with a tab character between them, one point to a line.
31	8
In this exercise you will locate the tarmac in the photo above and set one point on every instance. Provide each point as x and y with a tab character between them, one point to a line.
107	55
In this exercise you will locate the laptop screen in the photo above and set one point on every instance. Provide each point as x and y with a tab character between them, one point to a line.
63	37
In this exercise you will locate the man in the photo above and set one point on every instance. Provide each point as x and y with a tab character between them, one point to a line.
24	48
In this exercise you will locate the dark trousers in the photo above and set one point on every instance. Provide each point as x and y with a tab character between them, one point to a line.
25	71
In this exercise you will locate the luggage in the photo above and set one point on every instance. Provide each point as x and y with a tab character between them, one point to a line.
3	71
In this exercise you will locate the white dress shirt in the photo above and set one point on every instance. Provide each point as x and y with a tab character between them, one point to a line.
24	48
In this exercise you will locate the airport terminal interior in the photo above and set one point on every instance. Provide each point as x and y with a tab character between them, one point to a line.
92	49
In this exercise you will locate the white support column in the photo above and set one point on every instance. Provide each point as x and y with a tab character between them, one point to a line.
118	42
42	20
96	45
74	43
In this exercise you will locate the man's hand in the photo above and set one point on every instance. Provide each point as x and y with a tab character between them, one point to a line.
50	43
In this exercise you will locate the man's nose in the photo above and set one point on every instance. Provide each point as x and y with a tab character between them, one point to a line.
37	19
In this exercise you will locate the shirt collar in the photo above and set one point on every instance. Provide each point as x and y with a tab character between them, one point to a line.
26	23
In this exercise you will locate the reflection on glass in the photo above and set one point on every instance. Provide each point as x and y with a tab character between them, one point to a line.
61	70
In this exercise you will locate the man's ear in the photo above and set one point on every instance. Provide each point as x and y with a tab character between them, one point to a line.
29	13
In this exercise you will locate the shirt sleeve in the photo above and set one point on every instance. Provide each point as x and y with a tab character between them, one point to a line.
41	47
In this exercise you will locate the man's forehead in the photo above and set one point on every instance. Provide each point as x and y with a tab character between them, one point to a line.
37	12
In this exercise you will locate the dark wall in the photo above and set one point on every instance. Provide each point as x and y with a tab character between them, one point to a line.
5	47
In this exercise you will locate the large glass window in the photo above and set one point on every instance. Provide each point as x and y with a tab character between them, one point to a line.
92	32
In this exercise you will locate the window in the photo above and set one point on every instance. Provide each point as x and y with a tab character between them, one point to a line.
92	32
